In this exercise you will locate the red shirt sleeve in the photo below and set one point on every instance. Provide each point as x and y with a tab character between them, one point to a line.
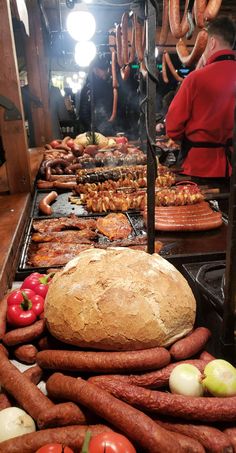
179	111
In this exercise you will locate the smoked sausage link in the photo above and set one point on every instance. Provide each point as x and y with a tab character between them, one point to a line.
212	439
204	409
25	392
44	204
24	334
187	58
104	362
190	345
61	415
132	422
72	436
153	379
26	353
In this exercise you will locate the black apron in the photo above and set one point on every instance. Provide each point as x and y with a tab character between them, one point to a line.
187	144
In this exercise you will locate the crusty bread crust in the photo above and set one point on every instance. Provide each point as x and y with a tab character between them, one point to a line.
119	299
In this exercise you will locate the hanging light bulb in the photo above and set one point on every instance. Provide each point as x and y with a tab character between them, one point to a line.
85	53
81	25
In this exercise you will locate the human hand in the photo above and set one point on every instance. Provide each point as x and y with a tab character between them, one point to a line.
159	127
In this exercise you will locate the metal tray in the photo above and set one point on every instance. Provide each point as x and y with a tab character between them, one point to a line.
61	206
210	280
24	269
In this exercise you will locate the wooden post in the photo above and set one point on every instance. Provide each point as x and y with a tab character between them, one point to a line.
38	75
12	131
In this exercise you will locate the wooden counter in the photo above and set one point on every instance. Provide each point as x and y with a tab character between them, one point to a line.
14	214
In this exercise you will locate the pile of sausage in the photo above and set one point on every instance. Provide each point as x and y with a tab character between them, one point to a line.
123	391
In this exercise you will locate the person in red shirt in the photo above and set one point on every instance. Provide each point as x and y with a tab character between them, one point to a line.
201	114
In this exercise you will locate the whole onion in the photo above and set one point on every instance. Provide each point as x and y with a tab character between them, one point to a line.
15	422
185	379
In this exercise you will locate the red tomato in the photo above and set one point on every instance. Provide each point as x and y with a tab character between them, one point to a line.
54	143
111	443
54	448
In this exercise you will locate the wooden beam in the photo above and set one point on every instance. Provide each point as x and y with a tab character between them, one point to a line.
13	132
38	75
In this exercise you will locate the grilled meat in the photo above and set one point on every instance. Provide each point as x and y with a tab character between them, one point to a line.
63	223
53	259
65	236
114	226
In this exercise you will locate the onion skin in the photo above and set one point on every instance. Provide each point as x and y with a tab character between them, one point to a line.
220	378
15	422
185	379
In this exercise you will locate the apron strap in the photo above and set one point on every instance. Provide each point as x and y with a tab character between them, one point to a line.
188	144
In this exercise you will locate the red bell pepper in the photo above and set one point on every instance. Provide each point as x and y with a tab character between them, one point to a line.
38	283
23	307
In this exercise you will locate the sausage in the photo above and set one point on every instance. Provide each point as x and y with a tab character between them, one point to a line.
190	345
132	44
119	46
197	51
212	439
26	353
188	444
199	9
164	69
45	184
24	334
4	350
4	401
206	356
48	173
115	87
125	72
178	28
48	342
63	147
212	222
138	426
24	392
153	379
114	108
3	316
145	359
73	167
68	185
204	409
164	23
63	414
124	37
33	401
172	68
231	433
44	204
34	374
212	9
72	436
138	39
64	178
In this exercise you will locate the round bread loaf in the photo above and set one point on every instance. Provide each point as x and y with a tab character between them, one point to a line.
118	299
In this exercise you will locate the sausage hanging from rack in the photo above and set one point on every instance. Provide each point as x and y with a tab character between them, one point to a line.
138	39
164	23
178	27
115	87
119	46
124	38
132	43
187	58
166	58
